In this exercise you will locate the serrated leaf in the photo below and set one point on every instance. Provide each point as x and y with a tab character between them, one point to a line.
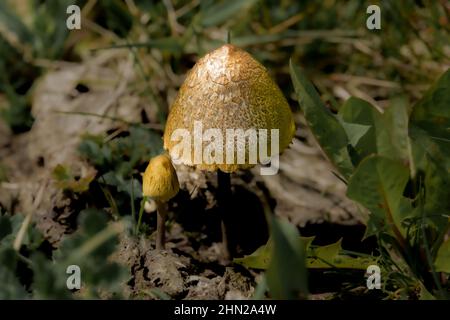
330	256
324	125
378	184
307	242
322	257
260	258
328	252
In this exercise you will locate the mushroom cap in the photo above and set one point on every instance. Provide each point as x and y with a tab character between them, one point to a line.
160	181
228	89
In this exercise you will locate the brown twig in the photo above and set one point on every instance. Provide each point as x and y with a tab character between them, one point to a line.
161	225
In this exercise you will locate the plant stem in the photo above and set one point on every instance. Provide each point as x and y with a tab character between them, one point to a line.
133	210
223	199
141	211
161	225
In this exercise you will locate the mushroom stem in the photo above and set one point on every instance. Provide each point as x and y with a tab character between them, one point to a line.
161	225
223	198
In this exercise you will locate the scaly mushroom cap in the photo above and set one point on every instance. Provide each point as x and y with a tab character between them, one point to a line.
160	181
228	89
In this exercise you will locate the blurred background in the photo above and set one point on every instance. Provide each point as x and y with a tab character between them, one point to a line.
82	111
328	38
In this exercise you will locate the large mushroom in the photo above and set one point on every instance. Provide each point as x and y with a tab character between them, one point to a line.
227	89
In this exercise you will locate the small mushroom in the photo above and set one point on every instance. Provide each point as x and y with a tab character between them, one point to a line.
160	183
227	89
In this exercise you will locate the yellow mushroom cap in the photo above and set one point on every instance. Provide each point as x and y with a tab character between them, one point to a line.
160	181
229	89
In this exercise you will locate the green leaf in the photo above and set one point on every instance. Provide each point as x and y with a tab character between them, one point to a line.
141	145
259	259
437	195
324	125
324	257
354	131
49	279
18	113
5	226
430	135
431	162
378	184
10	288
92	148
360	112
8	258
10	226
430	122
371	132
434	108
392	132
118	18
442	262
307	242
90	248
286	275
261	288
61	173
330	256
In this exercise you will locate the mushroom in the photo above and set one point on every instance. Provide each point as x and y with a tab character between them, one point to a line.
226	89
160	183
